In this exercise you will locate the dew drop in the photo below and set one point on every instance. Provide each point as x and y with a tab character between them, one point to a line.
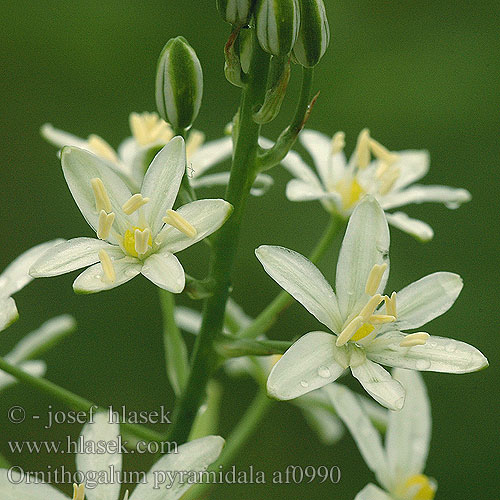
423	364
324	372
304	384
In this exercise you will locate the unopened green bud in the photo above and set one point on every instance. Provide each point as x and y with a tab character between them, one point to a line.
236	12
277	23
179	84
314	33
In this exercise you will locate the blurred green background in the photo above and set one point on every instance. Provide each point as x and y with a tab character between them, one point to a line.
419	74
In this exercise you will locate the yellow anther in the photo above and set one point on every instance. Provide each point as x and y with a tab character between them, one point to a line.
417	487
101	148
102	201
363	332
390	304
135	202
381	319
142	240
194	142
105	223
176	220
381	170
129	241
362	150
78	492
348	332
388	179
413	339
370	306
338	143
374	278
107	265
149	128
382	153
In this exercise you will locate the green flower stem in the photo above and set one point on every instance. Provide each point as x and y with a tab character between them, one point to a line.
271	157
243	173
236	440
72	400
176	354
268	316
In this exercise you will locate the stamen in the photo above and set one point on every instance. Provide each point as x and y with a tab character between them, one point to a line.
148	128
101	148
390	304
107	265
102	201
142	240
381	319
362	150
388	179
134	203
374	278
417	487
381	169
349	331
338	142
176	220
419	338
194	141
370	307
105	223
382	153
78	492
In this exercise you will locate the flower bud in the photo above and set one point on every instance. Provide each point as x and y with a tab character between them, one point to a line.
277	23
236	12
179	84
314	33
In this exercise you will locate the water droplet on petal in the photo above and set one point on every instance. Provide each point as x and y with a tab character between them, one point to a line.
423	364
324	372
304	384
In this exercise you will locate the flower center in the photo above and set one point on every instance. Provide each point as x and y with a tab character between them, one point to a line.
149	128
136	241
350	192
365	322
417	487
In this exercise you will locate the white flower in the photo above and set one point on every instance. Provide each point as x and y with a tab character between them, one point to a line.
149	134
315	406
194	456
367	326
340	185
400	465
32	345
137	233
15	277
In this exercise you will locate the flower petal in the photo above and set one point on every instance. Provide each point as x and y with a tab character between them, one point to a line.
372	492
416	228
260	186
304	281
426	299
319	146
451	197
41	339
12	491
409	430
16	274
194	456
8	312
350	410
92	280
298	190
312	362
60	138
437	355
35	368
162	181
210	154
100	430
188	319
206	216
300	169
79	167
71	255
379	384
413	165
366	243
164	270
